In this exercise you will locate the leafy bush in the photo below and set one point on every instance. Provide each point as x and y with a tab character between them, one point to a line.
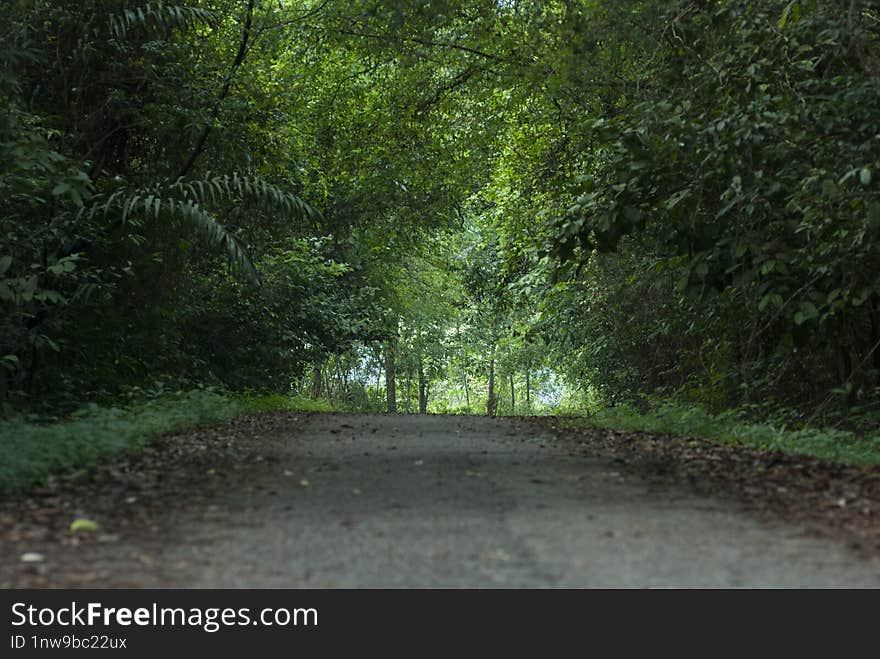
741	198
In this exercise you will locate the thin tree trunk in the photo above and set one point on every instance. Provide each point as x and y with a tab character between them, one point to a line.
390	378
467	390
528	392
338	379
408	403
491	402
423	389
379	384
316	381
512	396
328	384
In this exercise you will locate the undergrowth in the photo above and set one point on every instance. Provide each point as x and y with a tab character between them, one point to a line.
731	428
272	402
29	452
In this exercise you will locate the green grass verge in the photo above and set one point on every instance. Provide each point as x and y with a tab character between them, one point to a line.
274	402
730	428
29	452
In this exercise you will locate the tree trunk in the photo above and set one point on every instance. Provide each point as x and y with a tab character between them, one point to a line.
512	396
491	402
377	354
528	393
467	390
423	389
408	403
339	380
390	378
316	381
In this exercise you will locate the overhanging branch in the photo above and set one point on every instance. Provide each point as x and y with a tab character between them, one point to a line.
224	92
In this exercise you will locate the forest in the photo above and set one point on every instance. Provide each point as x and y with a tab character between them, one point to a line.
666	210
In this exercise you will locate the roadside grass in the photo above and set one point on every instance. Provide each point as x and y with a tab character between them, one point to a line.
277	402
731	428
29	452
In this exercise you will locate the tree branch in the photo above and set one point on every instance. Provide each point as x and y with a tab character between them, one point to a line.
224	92
423	42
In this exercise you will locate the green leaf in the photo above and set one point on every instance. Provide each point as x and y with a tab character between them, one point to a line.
792	11
53	297
771	299
675	199
84	526
28	288
67	264
808	311
683	281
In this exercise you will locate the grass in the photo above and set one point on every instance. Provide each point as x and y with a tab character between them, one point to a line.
29	452
730	428
273	402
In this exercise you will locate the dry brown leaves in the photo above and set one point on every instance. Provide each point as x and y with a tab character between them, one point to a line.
832	499
134	499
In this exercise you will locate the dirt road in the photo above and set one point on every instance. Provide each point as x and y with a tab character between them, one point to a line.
388	501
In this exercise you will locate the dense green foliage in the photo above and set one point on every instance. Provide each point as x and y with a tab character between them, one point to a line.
132	175
466	207
740	197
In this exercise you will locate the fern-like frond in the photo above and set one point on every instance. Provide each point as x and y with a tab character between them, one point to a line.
214	232
235	186
186	201
158	16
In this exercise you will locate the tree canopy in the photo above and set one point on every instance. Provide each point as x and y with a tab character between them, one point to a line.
500	206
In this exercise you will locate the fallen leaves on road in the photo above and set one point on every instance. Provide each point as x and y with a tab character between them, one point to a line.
63	523
833	499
